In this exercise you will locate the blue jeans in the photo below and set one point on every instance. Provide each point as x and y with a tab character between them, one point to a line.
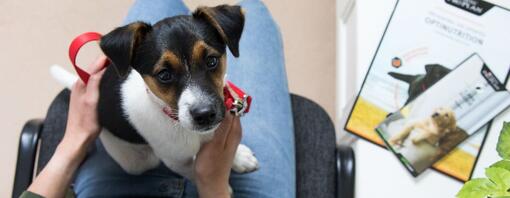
267	129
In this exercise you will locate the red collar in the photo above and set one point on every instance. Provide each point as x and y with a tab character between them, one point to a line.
236	100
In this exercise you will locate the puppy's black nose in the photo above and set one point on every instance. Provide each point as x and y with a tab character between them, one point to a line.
203	115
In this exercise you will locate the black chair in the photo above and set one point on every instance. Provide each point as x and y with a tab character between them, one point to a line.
322	169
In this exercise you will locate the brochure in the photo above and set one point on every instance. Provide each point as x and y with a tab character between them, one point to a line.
422	43
455	107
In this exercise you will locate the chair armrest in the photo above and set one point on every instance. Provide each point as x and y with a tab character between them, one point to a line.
345	164
27	151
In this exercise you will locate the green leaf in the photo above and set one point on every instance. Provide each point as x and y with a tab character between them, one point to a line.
477	188
498	183
505	164
500	177
503	147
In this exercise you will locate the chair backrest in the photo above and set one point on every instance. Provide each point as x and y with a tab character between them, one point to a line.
54	128
314	134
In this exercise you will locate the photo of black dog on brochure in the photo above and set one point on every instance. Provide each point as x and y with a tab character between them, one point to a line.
418	83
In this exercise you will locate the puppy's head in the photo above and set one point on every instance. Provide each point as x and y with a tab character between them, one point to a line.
445	119
182	60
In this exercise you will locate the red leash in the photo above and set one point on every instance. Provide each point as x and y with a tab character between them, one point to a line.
236	100
74	48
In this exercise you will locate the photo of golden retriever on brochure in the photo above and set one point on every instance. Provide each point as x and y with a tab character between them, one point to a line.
434	123
430	129
428	139
418	144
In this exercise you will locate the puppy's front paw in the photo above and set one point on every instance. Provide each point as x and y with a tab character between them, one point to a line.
244	160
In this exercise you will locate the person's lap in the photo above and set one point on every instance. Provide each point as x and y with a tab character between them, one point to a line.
267	129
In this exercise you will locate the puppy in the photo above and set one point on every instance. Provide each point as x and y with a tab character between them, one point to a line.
430	130
162	96
419	83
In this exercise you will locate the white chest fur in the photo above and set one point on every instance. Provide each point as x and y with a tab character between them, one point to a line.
170	142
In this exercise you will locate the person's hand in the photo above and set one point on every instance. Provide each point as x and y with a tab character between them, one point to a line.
82	129
214	160
82	123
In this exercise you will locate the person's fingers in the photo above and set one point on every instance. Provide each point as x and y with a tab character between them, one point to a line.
235	135
221	133
78	87
98	64
93	84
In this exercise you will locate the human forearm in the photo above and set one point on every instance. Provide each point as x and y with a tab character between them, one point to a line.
55	178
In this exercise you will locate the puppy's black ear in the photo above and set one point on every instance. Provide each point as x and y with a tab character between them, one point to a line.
119	45
228	22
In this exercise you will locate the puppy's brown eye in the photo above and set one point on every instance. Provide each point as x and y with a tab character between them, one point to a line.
165	76
211	62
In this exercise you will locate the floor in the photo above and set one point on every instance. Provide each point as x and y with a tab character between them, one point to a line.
36	35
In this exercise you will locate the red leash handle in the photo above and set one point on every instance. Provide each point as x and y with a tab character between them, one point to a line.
74	48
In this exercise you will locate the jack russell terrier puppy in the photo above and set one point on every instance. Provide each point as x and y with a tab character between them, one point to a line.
162	96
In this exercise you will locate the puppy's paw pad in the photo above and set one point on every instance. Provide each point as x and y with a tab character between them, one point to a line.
244	160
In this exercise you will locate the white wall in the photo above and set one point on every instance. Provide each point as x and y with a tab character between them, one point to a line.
378	172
